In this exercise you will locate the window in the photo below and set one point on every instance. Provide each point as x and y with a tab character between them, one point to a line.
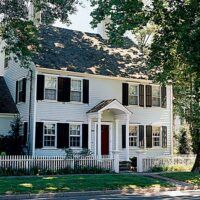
133	130
76	90
49	135
156	96
75	135
133	94
50	87
6	62
156	136
20	91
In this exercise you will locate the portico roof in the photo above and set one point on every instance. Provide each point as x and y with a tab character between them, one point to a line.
109	104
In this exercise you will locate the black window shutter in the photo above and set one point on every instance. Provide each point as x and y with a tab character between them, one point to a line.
123	136
25	132
141	95
67	89
164	136
40	87
125	94
141	136
163	97
24	90
39	135
85	136
63	89
149	136
85	91
16	94
148	96
62	135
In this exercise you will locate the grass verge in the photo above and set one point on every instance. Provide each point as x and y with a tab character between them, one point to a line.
189	177
69	183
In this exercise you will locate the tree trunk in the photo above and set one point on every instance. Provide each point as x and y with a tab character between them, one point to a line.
196	167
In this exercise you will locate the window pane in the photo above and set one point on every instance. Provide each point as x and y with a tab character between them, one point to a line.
133	130
156	92
133	100
20	86
75	96
50	82
50	94
133	90
155	101
76	85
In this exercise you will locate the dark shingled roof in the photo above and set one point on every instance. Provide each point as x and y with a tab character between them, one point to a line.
101	105
7	104
87	53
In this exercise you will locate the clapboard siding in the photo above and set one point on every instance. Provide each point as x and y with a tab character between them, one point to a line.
102	89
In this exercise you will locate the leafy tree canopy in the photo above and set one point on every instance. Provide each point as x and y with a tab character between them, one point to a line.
20	31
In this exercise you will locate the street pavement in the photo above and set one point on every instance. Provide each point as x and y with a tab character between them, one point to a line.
169	195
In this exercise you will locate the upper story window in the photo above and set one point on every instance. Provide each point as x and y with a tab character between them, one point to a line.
75	135
20	91
156	136
76	90
133	135
156	96
133	94
49	135
50	87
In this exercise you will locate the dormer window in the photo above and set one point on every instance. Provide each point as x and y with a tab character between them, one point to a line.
76	90
50	87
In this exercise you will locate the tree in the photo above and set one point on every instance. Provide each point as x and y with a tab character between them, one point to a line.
174	51
19	30
184	142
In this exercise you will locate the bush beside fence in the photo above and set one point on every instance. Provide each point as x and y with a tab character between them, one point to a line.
25	165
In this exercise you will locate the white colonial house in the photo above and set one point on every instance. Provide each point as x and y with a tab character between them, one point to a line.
82	93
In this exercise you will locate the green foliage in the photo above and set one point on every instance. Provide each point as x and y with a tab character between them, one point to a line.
12	144
184	142
20	32
70	153
171	168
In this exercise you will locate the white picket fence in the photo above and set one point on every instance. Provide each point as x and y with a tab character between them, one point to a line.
55	163
149	162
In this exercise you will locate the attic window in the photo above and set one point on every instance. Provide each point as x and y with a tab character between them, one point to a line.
59	45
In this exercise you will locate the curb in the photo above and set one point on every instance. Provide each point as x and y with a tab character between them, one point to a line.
94	193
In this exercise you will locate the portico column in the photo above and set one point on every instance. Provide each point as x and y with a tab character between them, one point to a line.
99	135
127	138
89	133
117	134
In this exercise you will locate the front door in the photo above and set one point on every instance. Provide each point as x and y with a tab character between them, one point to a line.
104	139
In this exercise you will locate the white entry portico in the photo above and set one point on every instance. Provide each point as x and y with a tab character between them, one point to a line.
118	115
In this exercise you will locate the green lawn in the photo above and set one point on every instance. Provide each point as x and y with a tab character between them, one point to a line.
13	185
189	177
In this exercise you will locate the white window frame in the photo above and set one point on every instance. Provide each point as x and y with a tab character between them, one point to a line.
137	85
18	91
76	79
50	147
154	86
137	137
51	88
77	124
160	137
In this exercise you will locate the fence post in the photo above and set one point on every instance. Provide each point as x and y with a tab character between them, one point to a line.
140	157
116	161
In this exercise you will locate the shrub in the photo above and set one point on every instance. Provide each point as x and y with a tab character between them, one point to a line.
171	168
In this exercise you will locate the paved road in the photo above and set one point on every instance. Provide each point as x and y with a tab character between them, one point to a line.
176	195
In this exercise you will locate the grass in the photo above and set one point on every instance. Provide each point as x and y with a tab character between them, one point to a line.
18	185
189	177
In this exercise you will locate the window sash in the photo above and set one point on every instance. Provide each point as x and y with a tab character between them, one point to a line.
156	96
50	90
133	96
75	135
20	91
76	90
156	136
49	135
133	136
